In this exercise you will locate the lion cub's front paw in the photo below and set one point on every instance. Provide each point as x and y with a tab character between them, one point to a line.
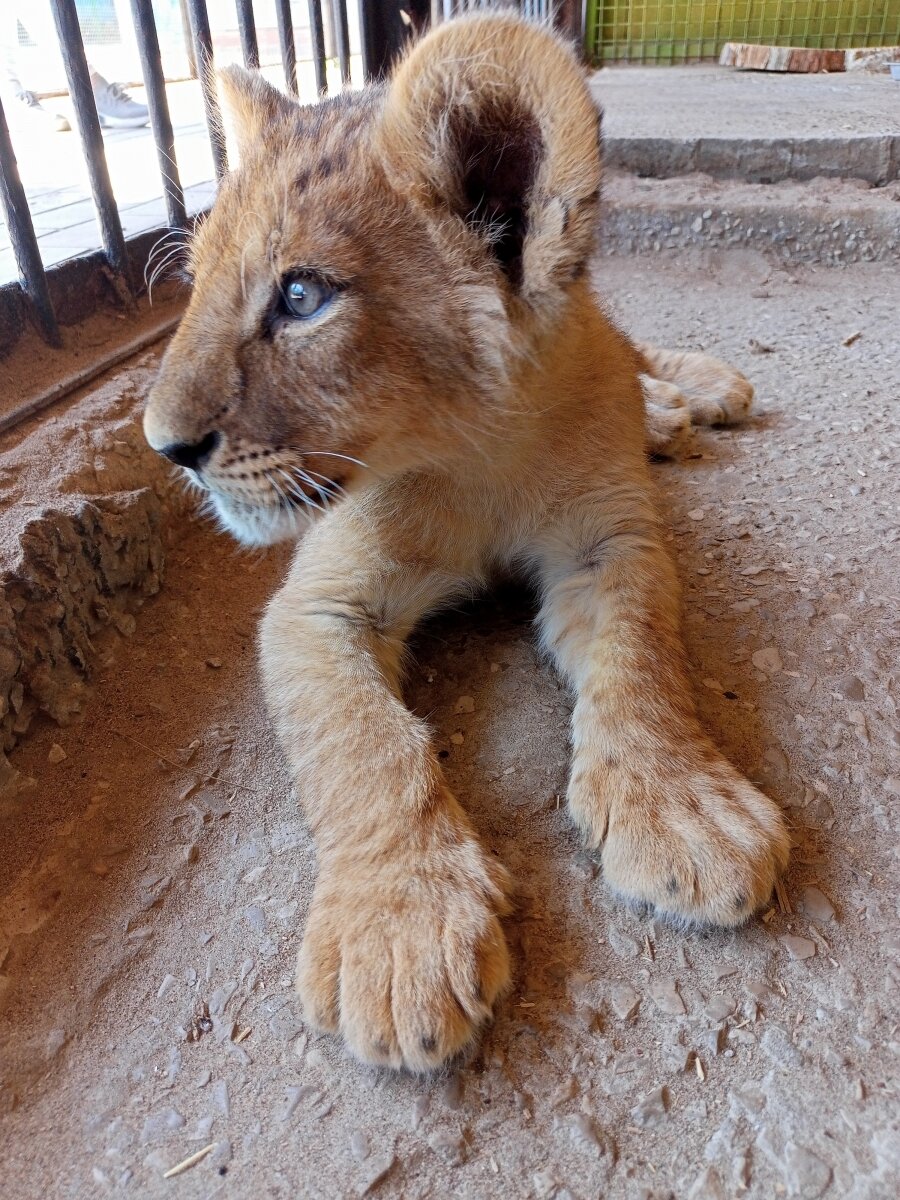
406	957
700	846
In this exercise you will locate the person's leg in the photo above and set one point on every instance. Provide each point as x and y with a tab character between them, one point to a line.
20	102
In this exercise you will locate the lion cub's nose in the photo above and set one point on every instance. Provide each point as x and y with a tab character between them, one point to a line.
192	454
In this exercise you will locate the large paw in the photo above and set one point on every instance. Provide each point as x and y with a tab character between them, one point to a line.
689	836
403	953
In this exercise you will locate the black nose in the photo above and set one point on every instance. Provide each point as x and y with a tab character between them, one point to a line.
192	455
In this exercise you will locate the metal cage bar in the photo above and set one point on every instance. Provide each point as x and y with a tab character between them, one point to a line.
247	31
160	121
203	55
342	37
82	93
32	275
317	34
286	43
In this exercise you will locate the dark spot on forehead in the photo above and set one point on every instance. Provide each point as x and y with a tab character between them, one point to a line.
301	183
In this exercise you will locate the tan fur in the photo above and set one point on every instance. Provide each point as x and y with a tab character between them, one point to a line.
475	411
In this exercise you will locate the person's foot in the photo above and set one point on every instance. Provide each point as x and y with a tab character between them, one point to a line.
115	108
33	111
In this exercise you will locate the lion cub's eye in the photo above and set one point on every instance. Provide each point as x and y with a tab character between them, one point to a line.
304	296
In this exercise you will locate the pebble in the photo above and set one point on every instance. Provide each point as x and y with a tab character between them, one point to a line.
56	754
850	687
166	986
359	1145
420	1110
666	997
719	1008
452	1092
584	1135
457	738
625	1001
450	1146
777	1044
798	947
651	1110
768	660
465	704
697	514
816	904
376	1170
622	944
707	1186
806	1174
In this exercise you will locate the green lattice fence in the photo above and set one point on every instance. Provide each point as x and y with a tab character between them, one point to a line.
650	31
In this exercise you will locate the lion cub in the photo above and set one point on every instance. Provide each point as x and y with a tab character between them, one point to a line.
394	356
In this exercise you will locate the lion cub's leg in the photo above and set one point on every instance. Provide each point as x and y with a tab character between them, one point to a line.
713	392
403	951
667	417
680	828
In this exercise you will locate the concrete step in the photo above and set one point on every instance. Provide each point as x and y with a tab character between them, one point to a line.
831	222
762	128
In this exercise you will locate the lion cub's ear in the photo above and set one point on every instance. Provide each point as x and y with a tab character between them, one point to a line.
250	108
490	117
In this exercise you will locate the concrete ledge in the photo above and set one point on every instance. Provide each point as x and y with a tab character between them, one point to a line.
875	159
833	224
89	512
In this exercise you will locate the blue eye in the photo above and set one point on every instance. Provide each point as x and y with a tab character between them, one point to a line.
304	296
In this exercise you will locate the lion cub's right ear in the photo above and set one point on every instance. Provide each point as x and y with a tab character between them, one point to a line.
489	120
250	109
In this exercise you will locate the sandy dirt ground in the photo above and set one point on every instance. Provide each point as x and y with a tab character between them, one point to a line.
153	886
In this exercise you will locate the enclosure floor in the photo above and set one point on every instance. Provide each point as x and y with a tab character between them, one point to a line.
161	870
717	102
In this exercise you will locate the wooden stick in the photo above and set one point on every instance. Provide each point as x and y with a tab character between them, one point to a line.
189	1162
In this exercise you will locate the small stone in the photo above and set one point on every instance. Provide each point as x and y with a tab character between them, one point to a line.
452	1092
666	997
777	1044
584	1135
806	1174
622	944
420	1110
719	1008
465	704
215	663
166	986
651	1110
850	687
359	1145
625	1001
798	947
816	904
697	514
457	738
450	1146
707	1186
56	754
56	1039
376	1170
768	660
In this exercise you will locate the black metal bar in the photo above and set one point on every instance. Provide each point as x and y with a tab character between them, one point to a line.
247	30
203	54
342	37
382	33
286	41
160	121
317	33
22	236
82	95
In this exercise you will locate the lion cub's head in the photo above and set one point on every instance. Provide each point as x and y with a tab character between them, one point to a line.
374	268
